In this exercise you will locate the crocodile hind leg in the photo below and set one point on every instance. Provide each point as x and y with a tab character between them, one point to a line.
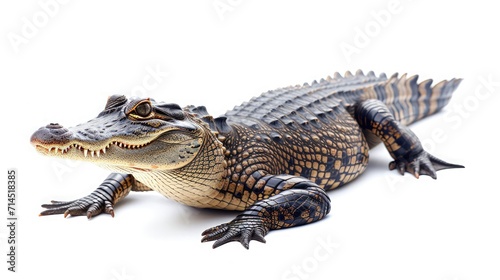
295	201
402	144
115	187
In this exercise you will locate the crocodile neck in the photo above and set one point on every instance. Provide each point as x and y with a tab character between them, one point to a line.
196	184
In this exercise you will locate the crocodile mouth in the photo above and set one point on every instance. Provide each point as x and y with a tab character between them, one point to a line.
86	151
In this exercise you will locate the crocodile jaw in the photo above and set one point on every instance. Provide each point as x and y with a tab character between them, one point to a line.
77	150
167	150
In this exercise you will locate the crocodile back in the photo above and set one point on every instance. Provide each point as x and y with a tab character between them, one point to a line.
307	104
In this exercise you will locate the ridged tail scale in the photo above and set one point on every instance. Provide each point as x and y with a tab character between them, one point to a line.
410	101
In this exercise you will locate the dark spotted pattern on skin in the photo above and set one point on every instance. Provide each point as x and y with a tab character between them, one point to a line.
318	134
297	202
274	157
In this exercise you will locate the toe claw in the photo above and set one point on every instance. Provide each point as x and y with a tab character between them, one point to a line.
108	208
89	206
245	239
214	233
392	165
401	168
421	164
74	211
241	229
230	236
111	212
414	168
258	235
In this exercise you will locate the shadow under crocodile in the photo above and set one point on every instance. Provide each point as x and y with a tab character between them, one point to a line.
169	218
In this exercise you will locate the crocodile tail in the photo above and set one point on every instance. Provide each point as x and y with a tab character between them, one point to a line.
410	101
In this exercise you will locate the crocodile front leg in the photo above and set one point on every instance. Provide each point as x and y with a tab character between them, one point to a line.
301	203
402	144
115	187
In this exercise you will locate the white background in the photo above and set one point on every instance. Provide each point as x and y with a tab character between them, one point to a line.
382	226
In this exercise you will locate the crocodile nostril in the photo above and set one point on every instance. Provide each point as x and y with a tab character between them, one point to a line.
54	126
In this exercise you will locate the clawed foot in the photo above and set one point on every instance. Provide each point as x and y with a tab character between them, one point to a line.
422	164
90	205
242	229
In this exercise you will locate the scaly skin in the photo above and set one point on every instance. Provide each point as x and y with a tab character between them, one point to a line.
272	158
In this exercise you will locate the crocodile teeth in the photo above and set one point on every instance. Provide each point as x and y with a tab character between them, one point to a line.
93	153
125	146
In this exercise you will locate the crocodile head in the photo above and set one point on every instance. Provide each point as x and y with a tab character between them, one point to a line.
129	135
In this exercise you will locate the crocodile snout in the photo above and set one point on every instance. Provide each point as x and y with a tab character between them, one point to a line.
52	133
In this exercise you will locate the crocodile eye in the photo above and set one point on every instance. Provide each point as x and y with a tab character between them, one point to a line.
143	109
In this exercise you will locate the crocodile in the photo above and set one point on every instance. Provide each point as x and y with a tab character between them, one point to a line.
272	158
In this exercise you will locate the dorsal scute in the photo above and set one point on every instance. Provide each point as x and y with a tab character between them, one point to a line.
113	103
115	100
217	125
307	106
221	125
201	111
